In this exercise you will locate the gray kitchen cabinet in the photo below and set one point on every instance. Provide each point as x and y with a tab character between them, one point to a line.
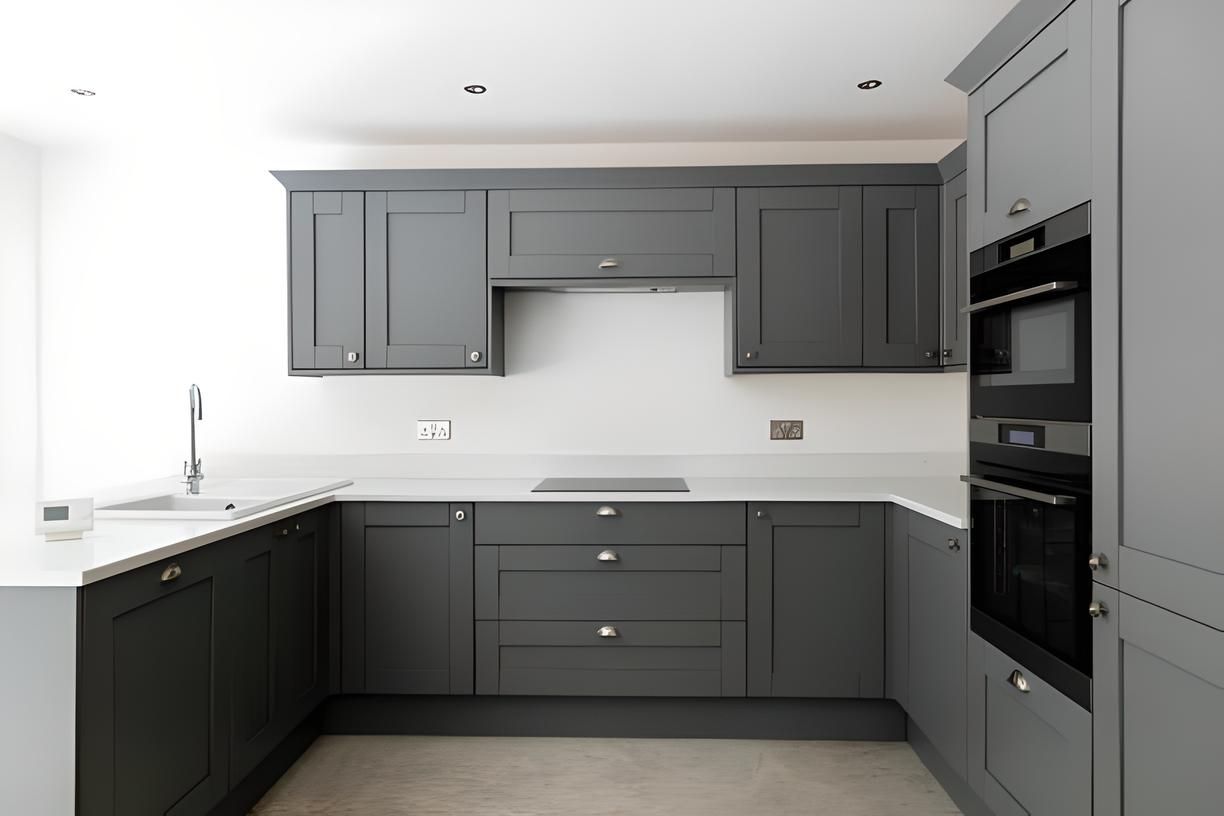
955	270
153	709
896	606
1030	131
327	280
1171	681
1171	292
612	233
276	591
1029	746
938	627
426	283
406	609
799	288
901	280
816	600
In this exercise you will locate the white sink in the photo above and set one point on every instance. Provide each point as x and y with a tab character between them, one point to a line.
224	500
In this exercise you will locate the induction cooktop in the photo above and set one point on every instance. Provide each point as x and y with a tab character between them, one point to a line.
612	485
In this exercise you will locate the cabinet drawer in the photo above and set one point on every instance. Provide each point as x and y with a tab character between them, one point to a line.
612	233
611	595
580	523
1030	752
630	633
1030	132
622	671
604	559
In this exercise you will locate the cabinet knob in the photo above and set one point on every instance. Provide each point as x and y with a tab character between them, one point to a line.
609	263
353	356
607	511
608	632
947	353
474	356
460	515
1021	205
750	355
1098	561
1097	609
1018	680
171	573
760	514
608	555
954	544
282	532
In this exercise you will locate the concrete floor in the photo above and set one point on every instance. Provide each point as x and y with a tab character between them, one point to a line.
529	776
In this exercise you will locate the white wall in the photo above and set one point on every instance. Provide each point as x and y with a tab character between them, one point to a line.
19	206
166	266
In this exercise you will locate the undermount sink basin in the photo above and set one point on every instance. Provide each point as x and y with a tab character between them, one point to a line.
227	500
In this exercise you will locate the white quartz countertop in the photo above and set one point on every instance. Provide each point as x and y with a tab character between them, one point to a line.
116	546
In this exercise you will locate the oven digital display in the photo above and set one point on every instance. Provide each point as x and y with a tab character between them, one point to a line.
1015	437
55	513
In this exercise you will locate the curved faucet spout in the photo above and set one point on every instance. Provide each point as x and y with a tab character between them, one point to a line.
193	469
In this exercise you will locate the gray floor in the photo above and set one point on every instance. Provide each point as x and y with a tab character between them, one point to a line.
529	776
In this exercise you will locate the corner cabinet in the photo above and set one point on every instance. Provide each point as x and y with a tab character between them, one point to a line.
816	600
406	609
390	281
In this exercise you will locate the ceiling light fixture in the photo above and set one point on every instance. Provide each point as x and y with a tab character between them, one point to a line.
82	92
870	85
475	89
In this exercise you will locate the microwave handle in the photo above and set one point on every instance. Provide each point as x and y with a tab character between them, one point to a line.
1018	492
1023	294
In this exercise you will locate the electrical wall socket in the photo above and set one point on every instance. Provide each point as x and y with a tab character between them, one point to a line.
786	429
430	429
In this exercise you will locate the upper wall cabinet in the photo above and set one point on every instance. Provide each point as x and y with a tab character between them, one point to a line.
799	299
900	277
955	270
326	267
1030	131
618	233
426	287
390	280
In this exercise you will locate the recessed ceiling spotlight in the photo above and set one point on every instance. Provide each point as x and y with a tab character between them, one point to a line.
475	89
82	92
870	85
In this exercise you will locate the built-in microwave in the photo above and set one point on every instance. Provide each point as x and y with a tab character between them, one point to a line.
1030	348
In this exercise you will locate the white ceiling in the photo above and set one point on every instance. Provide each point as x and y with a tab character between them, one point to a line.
373	72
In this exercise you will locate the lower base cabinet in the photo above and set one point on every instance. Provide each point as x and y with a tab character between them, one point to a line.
154	704
407	598
1030	747
816	600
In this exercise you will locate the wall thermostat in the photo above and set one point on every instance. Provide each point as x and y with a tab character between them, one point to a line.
64	519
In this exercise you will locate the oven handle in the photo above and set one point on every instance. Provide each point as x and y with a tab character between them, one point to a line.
1018	492
1023	294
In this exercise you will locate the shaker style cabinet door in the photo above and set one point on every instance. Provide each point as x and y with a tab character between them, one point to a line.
816	600
327	280
426	285
799	290
406	611
1030	131
901	277
153	707
955	271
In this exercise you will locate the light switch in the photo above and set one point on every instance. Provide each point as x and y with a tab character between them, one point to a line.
430	429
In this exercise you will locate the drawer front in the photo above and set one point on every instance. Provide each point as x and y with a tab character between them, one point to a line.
602	523
607	559
1030	132
1030	752
593	633
631	671
612	595
611	233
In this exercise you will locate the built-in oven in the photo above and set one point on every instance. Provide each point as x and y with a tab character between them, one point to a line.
1031	527
1030	354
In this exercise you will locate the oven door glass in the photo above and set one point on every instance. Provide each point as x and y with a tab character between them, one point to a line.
1026	559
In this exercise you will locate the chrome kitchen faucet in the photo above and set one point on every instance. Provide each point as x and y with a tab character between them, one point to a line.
194	469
